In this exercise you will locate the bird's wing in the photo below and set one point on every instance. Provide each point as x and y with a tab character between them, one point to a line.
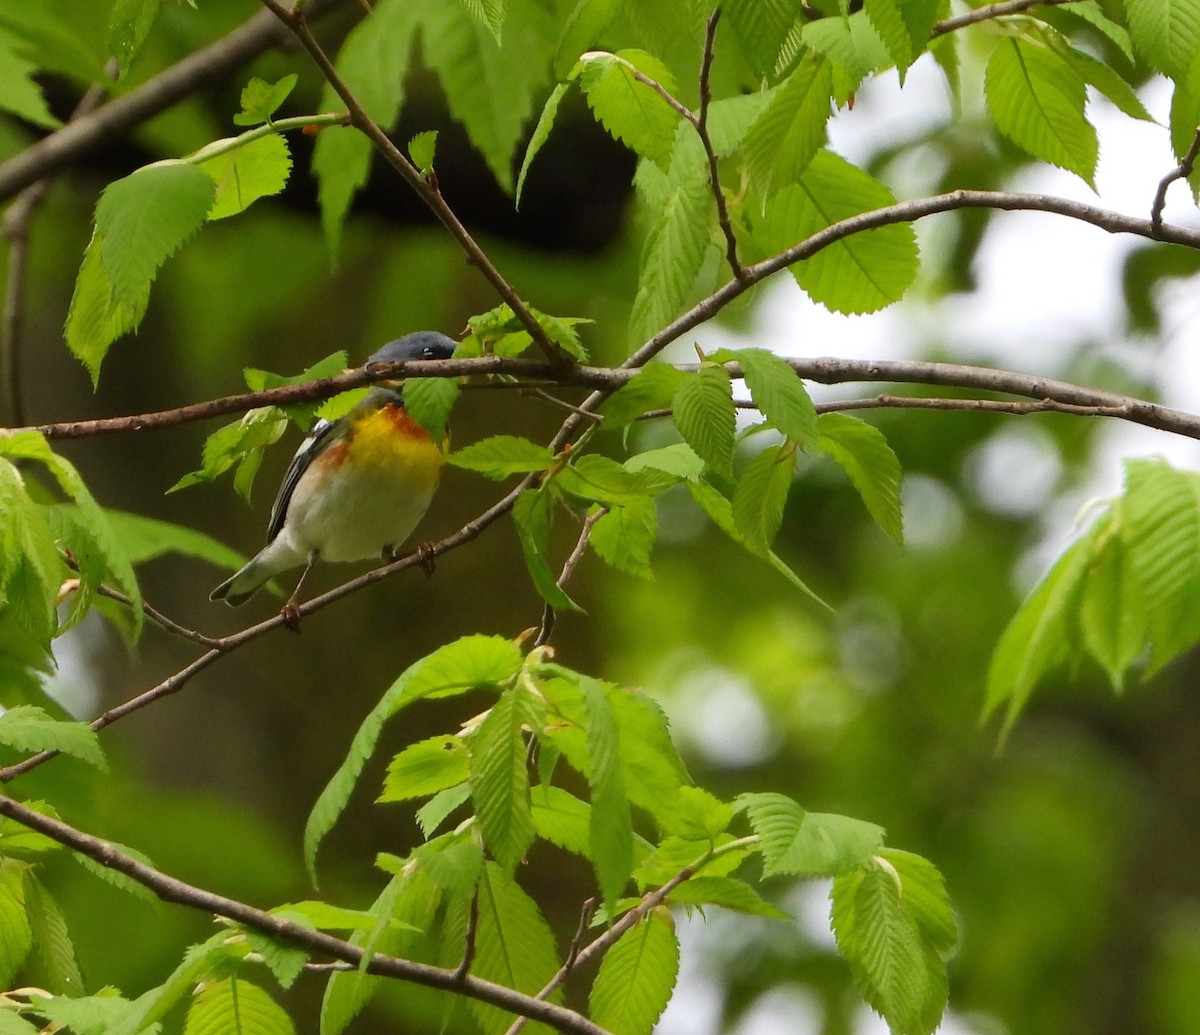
319	439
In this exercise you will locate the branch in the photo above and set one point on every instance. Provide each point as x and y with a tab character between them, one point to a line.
202	68
170	889
982	14
1181	172
568	569
296	19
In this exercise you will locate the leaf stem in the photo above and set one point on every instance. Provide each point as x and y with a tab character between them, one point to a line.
228	144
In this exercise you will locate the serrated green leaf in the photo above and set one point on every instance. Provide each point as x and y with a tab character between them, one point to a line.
678	460
808	843
241	445
235	1005
16	839
502	455
1036	99
601	479
373	63
489	14
41	38
1112	611
632	111
675	853
490	87
499	779
14	1024
284	960
761	494
779	393
652	388
562	819
144	217
852	45
1093	14
531	516
610	839
116	878
857	274
85	1015
260	99
422	149
760	27
863	453
144	539
28	728
1105	79
895	942
699	814
705	416
514	946
454	862
541	133
439	808
129	23
425	768
1165	32
16	937
582	28
636	976
19	93
682	215
791	129
31	570
904	26
254	170
429	400
460	666
726	892
624	536
98	315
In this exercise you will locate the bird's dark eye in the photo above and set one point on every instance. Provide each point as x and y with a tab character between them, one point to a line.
428	354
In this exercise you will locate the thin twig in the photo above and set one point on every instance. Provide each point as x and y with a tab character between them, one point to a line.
568	569
714	172
982	14
160	619
295	18
673	102
585	918
171	889
1181	172
469	939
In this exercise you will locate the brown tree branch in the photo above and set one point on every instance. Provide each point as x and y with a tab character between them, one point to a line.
296	19
171	889
988	11
1181	172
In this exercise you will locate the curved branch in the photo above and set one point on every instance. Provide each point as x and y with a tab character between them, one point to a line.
170	889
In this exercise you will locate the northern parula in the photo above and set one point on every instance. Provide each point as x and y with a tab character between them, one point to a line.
356	487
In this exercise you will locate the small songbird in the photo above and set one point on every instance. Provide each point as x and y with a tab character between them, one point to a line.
356	487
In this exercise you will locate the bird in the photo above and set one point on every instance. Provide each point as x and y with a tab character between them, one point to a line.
356	487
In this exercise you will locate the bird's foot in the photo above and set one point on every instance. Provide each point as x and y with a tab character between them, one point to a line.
290	613
427	557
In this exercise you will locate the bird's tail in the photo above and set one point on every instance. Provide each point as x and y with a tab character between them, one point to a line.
244	583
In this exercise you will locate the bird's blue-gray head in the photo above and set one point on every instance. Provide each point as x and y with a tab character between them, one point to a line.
418	345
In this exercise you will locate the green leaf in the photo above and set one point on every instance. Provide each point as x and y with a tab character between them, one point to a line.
1096	73
241	445
636	976
499	779
454	669
531	515
19	93
541	133
429	400
144	217
28	728
116	878
98	315
652	388
904	26
562	819
863	453
761	494
16	937
682	216
852	45
441	806
583	27
14	1024
705	416
43	39
779	393
791	129
601	479
284	960
84	1015
422	149
1036	99
678	460
720	511
808	843
631	110
144	539
129	23
502	455
1166	33
624	536
489	14
894	927
514	945
260	99
857	274
16	839
244	174
699	815
760	27
728	893
610	839
1092	13
490	87
425	768
235	1005
373	63
1113	612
